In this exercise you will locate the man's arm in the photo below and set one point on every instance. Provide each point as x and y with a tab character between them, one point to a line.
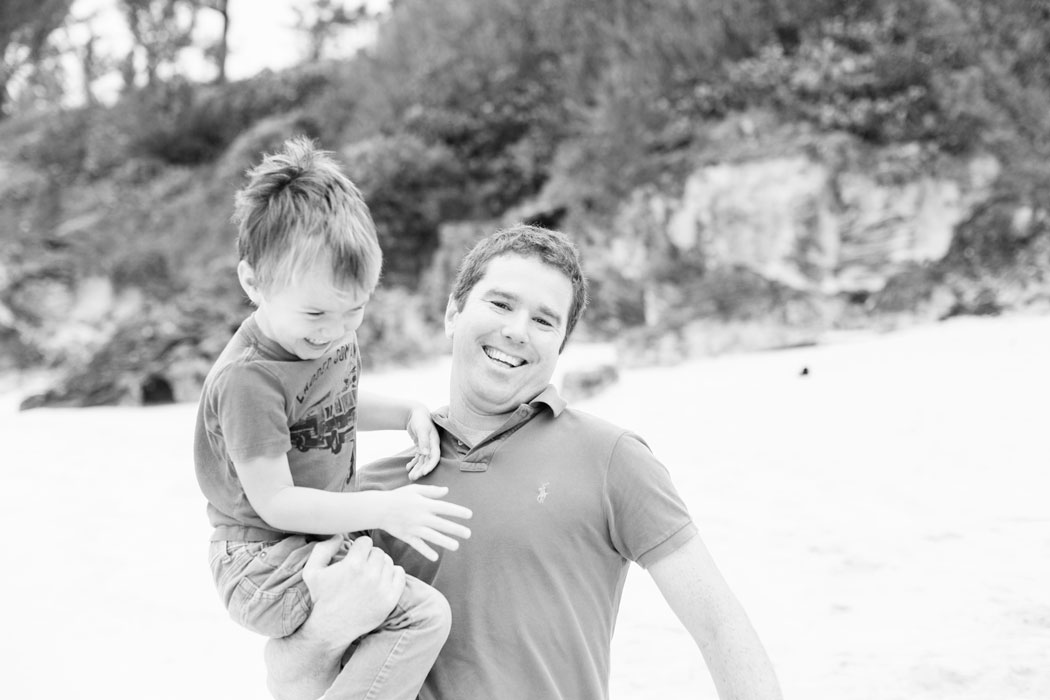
351	598
702	600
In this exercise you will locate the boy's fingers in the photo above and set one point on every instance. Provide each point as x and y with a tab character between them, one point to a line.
420	466
429	491
450	528
434	453
435	537
452	510
422	547
427	463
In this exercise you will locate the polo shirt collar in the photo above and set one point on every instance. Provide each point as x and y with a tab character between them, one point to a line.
549	397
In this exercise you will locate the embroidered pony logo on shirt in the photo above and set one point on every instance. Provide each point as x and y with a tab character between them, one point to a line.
541	493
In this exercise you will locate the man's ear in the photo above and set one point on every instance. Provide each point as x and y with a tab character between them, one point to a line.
451	313
249	282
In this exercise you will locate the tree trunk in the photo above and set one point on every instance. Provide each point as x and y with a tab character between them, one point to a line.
222	7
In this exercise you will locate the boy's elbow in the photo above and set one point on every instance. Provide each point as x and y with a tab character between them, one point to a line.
276	510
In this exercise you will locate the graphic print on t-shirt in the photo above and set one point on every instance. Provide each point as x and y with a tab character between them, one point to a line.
330	418
326	426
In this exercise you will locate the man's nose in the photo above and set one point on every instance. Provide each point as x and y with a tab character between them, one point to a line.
515	327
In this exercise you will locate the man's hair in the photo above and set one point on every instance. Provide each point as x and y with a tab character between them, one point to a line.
298	211
549	247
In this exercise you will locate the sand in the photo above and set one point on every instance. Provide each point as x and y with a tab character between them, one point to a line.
883	518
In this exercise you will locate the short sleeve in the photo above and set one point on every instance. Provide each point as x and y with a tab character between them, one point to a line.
250	413
647	517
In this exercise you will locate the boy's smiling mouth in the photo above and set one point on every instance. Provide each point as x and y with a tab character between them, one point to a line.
502	357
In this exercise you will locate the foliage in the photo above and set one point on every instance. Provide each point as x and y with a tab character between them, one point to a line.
409	186
182	123
484	110
25	26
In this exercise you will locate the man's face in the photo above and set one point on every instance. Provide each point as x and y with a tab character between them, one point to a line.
309	317
506	339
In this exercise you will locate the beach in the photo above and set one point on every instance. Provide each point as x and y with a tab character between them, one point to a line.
880	503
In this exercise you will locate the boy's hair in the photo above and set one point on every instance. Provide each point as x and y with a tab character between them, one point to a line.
299	210
550	247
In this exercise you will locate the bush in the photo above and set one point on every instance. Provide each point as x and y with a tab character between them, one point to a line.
188	124
410	187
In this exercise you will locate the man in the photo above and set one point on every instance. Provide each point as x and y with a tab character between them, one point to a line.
562	502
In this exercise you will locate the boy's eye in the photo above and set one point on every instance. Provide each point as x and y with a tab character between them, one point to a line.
315	314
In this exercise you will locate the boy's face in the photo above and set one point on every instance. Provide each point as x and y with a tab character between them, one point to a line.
507	336
308	316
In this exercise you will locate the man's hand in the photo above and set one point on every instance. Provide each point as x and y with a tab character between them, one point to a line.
428	445
415	516
352	596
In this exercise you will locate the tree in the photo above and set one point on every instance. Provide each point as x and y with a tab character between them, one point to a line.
218	51
325	20
25	26
160	29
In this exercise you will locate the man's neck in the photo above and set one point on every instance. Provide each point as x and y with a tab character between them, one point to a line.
474	427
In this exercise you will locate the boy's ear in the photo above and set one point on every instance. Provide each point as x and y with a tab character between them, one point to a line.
451	313
249	282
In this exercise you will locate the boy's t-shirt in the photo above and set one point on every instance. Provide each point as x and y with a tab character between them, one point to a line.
258	400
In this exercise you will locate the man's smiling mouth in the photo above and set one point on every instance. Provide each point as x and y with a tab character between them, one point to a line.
502	357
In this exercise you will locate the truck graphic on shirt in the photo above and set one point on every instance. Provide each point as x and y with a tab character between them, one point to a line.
326	428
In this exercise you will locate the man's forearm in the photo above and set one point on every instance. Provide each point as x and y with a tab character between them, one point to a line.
714	618
740	666
351	597
301	666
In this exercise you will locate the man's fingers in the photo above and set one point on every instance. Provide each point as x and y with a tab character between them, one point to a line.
398	580
322	553
377	557
359	551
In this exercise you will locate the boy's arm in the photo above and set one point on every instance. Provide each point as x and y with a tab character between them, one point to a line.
702	600
411	513
376	412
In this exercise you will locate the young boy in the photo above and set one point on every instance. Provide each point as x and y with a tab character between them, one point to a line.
275	438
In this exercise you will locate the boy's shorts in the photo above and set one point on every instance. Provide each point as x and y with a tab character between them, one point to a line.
261	583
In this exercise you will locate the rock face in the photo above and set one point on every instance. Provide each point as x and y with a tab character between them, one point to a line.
759	251
812	225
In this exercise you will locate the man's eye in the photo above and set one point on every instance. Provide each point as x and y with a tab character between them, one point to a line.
315	314
544	322
501	305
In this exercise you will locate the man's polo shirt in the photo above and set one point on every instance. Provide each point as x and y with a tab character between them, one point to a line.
562	502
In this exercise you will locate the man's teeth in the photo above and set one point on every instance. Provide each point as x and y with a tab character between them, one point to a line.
504	357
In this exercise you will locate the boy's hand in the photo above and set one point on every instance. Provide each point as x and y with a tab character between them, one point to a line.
428	447
416	516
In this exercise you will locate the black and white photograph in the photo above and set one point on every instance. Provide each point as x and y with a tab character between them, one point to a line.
553	350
